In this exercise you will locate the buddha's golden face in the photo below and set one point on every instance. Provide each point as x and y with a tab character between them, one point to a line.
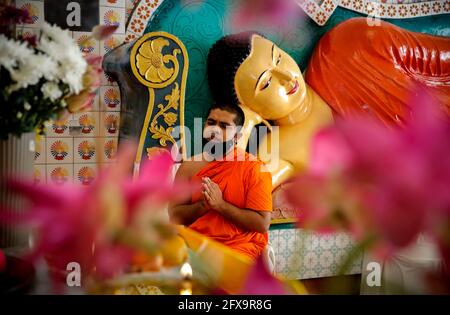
269	81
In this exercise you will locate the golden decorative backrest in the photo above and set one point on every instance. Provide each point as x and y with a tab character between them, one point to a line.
152	74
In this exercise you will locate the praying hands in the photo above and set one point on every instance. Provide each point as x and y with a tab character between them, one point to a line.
212	194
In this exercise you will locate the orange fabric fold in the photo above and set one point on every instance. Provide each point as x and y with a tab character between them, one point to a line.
358	68
245	185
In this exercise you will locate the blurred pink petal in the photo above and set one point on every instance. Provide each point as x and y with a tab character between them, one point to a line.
69	220
111	260
94	60
368	178
261	282
330	152
156	176
101	32
12	15
265	12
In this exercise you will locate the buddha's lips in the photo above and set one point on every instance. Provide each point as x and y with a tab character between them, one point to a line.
294	89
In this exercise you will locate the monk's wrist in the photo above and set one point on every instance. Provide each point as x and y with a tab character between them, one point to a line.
222	207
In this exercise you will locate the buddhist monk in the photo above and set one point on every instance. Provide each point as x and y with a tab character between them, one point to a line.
234	204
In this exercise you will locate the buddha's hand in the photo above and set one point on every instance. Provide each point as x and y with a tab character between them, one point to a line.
212	194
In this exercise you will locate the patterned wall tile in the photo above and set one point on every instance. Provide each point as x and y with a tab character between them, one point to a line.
110	99
84	174
35	10
111	43
59	174
27	31
85	150
109	124
303	255
108	149
39	174
59	150
113	16
40	149
86	43
59	128
113	3
274	240
89	123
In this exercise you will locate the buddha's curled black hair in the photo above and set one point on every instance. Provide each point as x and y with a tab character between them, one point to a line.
224	59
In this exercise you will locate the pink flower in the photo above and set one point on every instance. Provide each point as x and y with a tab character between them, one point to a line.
94	226
2	261
261	282
12	15
111	259
102	32
329	152
372	180
80	102
92	77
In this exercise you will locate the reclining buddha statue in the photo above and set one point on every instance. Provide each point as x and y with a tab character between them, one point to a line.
355	69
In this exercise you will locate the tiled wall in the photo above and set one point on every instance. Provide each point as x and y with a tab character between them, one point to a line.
303	255
65	153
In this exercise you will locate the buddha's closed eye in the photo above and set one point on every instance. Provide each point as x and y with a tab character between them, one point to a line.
266	84
278	60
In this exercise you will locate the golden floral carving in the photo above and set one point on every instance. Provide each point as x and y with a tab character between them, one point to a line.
152	63
158	131
170	118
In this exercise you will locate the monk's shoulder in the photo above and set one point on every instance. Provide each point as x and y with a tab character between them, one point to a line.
190	167
254	166
187	168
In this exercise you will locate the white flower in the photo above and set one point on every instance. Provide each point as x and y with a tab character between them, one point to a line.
12	52
51	90
72	69
57	43
19	115
31	70
57	34
27	106
24	65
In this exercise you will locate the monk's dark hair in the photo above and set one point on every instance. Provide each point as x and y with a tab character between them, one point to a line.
224	59
234	109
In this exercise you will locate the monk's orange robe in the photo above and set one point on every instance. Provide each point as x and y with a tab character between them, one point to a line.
359	68
245	185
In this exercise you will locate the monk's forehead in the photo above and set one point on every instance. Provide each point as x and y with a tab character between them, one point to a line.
222	115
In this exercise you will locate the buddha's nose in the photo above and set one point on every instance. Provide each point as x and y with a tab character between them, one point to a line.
283	75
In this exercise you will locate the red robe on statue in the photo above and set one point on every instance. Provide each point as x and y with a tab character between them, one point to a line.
356	67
